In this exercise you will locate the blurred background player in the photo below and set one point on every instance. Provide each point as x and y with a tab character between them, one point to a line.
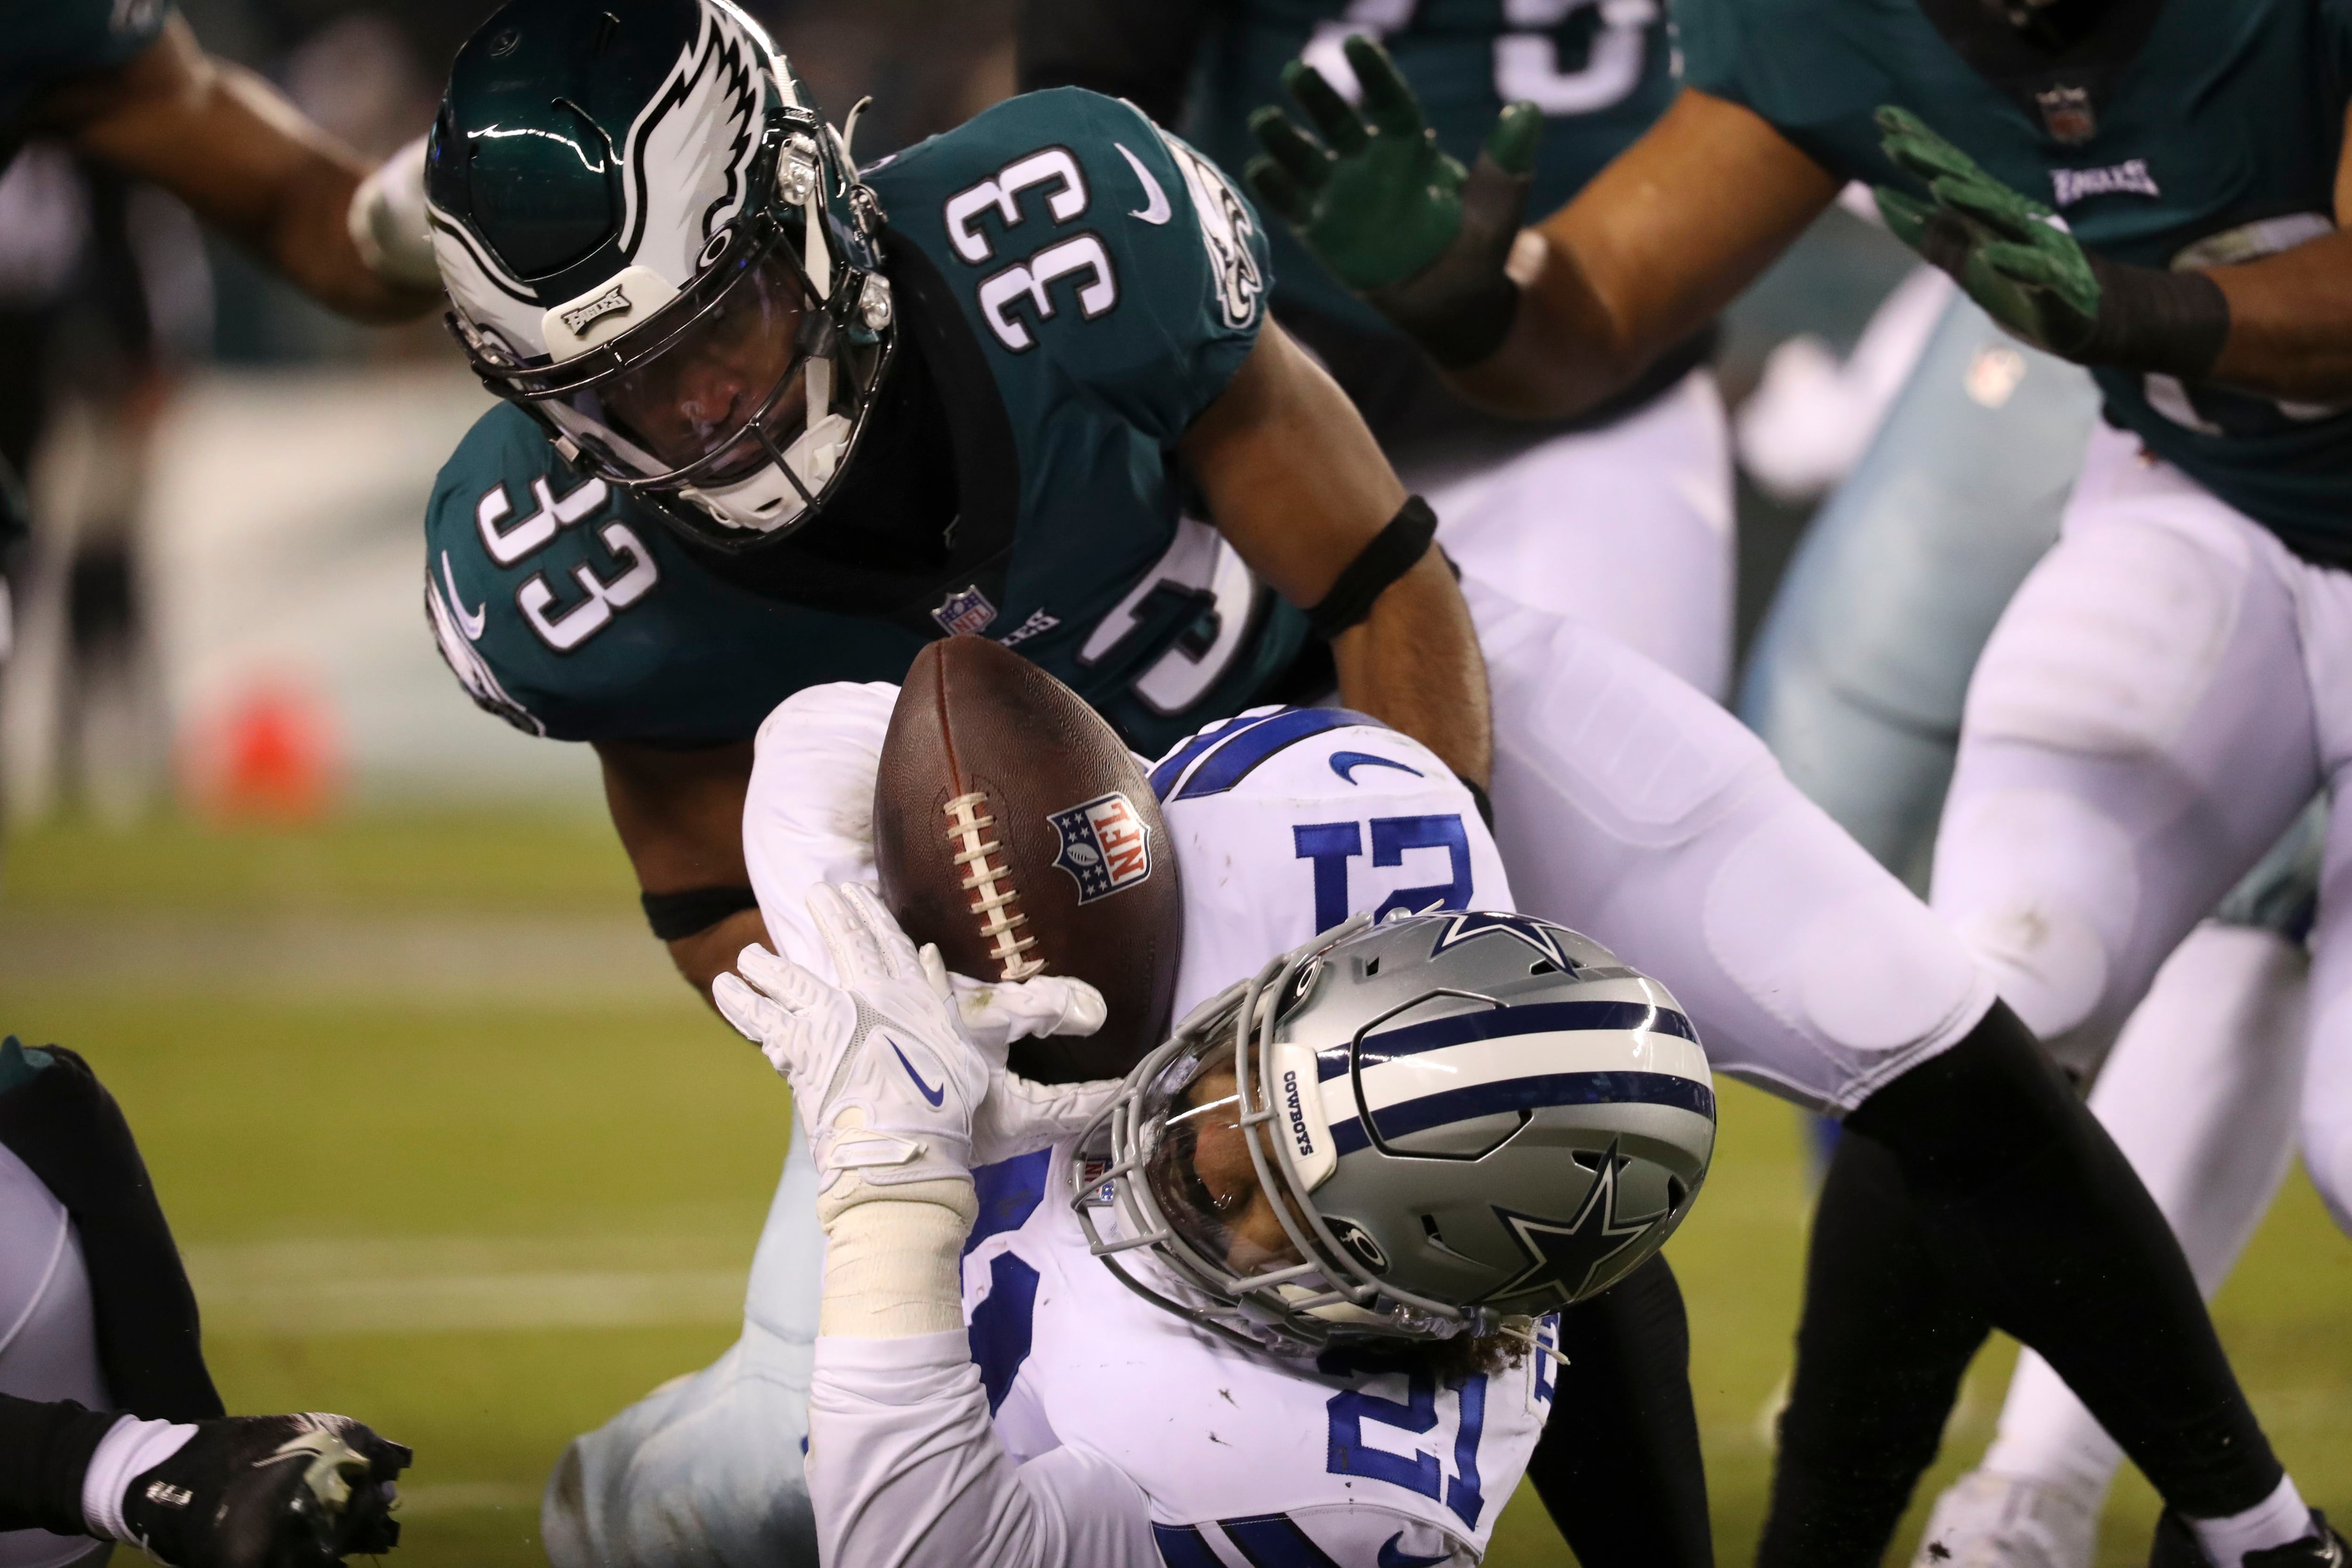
1590	310
115	125
1620	515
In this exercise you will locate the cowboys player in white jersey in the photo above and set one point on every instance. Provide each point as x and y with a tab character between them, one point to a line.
1283	820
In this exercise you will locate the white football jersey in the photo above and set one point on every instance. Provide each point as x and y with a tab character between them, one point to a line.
1288	820
1247	1461
1285	821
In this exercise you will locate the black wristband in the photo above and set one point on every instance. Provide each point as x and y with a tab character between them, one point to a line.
1478	798
2152	320
45	1451
1394	550
674	916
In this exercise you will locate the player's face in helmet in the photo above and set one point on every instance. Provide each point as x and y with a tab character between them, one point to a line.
1207	1183
731	383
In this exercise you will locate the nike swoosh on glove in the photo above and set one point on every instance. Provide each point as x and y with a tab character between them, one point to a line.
886	1082
1020	1116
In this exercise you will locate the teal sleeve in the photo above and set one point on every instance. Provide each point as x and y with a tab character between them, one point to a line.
571	611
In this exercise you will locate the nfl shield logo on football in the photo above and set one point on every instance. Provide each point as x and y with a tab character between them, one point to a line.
1105	846
2066	114
963	614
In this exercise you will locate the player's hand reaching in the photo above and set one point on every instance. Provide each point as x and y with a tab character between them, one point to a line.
886	1082
1394	217
918	1054
2015	260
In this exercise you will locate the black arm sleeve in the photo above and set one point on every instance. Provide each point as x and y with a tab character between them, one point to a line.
1141	52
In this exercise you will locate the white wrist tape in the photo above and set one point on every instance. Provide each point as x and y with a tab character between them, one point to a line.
129	1449
893	1257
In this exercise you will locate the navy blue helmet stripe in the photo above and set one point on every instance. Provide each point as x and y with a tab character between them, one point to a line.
1275	1541
1172	768
1181	1546
1501	1024
1408	1117
1237	758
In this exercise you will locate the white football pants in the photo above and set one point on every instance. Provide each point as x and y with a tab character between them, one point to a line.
49	1339
2165	693
1627	528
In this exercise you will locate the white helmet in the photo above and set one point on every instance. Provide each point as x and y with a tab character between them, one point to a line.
1410	1129
657	249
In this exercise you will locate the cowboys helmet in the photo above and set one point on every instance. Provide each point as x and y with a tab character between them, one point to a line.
659	250
1411	1129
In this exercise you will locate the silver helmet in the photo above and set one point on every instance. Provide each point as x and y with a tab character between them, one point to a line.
1411	1129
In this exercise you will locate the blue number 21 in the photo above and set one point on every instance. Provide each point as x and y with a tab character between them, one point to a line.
1348	1456
1331	845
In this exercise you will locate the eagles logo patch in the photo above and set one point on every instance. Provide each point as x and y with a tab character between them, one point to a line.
1105	846
1225	229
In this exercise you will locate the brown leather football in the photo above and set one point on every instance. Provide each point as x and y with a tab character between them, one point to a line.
1011	827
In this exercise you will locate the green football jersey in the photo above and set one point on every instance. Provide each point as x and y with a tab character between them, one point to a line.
1601	71
53	39
1074	289
2175	133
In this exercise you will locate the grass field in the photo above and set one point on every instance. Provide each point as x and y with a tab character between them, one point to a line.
449	1149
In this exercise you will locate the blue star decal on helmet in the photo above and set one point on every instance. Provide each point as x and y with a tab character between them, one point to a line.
1567	1257
1541	935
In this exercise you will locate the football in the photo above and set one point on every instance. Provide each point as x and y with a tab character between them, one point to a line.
1014	828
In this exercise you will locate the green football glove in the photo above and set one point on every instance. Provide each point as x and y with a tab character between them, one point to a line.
1389	213
2033	277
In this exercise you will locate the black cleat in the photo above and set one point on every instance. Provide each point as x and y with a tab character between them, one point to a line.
268	1491
2177	1546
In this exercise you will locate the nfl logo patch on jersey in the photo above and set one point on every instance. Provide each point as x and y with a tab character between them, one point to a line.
1105	846
2066	114
963	614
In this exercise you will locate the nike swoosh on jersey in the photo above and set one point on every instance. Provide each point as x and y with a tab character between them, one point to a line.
1156	210
1345	765
1393	1558
472	622
928	1093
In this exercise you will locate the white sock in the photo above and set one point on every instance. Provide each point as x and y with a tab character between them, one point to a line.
129	1449
2278	1519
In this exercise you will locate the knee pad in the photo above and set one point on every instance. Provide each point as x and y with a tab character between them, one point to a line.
2040	887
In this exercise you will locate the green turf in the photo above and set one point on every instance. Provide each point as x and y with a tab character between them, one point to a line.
649	1131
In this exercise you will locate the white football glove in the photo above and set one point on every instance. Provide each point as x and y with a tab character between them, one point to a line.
387	222
886	1082
1019	1116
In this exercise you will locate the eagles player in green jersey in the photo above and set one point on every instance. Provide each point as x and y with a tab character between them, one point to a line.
1651	564
2154	191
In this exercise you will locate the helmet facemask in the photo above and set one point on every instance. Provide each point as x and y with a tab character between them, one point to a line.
1201	1180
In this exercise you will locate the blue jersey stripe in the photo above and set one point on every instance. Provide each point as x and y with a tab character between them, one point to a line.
1239	757
1171	767
1275	1541
1181	1546
1502	1023
1408	1117
1002	1327
1009	1192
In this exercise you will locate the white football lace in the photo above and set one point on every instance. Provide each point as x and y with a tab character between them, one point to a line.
965	822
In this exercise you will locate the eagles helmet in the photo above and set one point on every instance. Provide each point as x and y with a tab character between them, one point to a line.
1408	1131
657	249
